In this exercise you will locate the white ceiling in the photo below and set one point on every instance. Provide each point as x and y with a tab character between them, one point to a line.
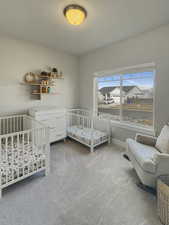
42	21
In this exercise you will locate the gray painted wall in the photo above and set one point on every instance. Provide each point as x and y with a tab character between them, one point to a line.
18	58
148	47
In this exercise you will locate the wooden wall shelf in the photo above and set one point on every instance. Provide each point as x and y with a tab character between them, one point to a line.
54	78
45	93
43	84
36	84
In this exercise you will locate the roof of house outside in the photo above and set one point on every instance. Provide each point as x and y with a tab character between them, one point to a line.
106	90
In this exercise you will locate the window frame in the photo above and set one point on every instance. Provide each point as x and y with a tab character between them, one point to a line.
121	123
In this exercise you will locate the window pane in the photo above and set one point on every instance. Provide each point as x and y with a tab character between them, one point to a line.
109	96
137	98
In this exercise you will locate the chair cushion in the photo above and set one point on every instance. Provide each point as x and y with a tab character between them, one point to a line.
146	139
162	143
143	154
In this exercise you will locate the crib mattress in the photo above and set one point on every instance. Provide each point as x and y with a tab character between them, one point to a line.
22	162
86	134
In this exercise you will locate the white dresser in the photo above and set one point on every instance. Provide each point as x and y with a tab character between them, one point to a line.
52	117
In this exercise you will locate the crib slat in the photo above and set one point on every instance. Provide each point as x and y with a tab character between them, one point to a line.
14	124
0	165
2	127
28	136
23	151
6	150
12	156
18	152
28	148
7	125
10	120
0	151
19	124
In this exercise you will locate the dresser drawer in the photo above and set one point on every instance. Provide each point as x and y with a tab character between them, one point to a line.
55	122
50	116
56	136
44	112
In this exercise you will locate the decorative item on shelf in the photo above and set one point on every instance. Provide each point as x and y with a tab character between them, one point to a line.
49	75
44	82
44	89
54	70
29	77
44	74
35	91
54	73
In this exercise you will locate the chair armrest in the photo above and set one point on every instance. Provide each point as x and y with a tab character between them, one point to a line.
162	163
146	139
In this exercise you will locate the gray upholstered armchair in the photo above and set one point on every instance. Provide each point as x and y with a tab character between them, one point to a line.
146	159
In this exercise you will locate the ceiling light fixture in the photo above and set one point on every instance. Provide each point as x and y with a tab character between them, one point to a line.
75	14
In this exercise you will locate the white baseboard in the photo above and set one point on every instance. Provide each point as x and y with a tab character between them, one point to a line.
121	144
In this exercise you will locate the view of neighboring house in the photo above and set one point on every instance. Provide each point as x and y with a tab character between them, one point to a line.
108	95
100	97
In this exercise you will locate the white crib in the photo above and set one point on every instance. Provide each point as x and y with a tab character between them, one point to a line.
24	149
86	128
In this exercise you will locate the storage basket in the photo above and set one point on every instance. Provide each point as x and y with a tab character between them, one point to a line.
163	199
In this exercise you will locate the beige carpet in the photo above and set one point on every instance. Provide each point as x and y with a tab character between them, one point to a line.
82	189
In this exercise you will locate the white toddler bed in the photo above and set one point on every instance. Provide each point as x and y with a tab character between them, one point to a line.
24	149
87	129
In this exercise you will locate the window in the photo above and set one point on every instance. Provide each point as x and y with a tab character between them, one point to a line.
127	97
